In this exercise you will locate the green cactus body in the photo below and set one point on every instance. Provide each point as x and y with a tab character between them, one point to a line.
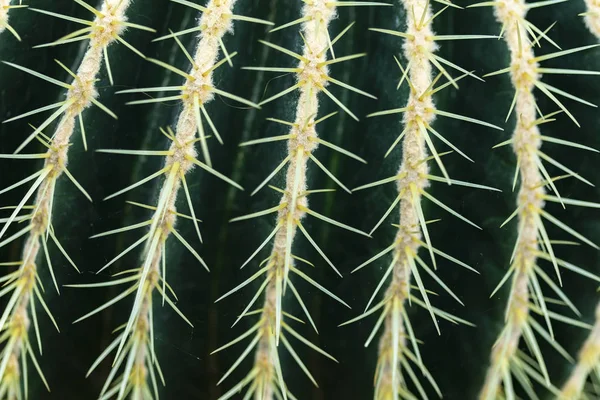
299	102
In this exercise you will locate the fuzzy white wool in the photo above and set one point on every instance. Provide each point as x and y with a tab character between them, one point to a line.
4	14
592	16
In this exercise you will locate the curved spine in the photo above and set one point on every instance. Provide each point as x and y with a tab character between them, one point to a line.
533	244
135	343
20	311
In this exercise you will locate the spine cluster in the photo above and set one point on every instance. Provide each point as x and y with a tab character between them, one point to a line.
5	7
81	93
398	346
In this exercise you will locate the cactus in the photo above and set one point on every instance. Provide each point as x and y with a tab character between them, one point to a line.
431	162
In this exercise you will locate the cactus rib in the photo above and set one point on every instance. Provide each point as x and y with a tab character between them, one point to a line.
533	243
266	379
135	344
394	369
106	28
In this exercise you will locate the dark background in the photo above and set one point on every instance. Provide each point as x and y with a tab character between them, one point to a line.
457	359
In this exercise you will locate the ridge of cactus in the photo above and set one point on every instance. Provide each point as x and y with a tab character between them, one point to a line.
533	243
266	379
23	284
134	344
394	370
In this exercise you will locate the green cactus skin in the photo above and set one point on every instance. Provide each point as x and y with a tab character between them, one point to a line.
458	358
